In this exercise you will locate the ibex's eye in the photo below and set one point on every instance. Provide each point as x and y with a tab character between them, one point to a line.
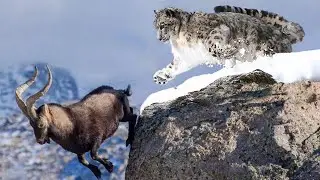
40	124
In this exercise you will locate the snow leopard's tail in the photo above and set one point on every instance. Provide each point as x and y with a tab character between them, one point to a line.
294	30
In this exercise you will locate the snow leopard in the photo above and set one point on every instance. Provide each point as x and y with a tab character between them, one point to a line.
222	37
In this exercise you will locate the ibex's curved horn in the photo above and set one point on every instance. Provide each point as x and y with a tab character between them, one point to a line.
20	89
32	99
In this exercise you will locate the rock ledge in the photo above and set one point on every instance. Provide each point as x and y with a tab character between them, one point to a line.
239	127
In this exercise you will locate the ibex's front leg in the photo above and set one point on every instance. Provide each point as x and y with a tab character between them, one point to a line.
94	169
94	155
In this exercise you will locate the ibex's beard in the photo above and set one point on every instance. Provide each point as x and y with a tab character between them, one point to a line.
43	141
47	140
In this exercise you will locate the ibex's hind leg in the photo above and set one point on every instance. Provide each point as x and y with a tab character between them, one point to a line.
94	155
94	169
132	122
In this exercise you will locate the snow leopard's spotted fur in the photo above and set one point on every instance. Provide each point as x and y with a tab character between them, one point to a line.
217	38
294	30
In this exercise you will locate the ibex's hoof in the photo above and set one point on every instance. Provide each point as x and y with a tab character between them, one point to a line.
109	167
95	171
98	176
129	142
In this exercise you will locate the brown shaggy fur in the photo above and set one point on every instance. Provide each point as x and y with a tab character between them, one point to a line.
82	126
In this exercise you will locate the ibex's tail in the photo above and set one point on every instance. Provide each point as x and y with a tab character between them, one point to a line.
128	91
294	30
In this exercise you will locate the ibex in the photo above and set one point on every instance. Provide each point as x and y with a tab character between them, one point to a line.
82	126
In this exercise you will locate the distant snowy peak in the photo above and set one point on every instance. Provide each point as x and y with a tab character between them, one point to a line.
64	87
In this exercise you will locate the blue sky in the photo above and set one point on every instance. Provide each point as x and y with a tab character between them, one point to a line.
113	42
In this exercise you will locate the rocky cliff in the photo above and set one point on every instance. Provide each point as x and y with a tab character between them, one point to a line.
239	127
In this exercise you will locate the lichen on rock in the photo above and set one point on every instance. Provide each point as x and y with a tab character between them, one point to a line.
245	126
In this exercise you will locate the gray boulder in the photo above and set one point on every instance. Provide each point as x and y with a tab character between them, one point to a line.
239	127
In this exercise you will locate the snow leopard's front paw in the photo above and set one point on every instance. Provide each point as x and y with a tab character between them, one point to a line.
162	77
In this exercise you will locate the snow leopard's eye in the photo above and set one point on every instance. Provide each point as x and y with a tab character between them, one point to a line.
161	26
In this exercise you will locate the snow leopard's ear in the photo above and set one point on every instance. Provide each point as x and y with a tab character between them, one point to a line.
155	11
171	12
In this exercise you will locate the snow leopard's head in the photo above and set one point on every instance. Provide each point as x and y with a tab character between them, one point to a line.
167	22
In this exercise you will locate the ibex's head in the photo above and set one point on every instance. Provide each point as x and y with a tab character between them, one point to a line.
39	118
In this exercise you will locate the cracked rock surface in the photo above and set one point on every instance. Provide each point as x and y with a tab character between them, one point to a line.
246	126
